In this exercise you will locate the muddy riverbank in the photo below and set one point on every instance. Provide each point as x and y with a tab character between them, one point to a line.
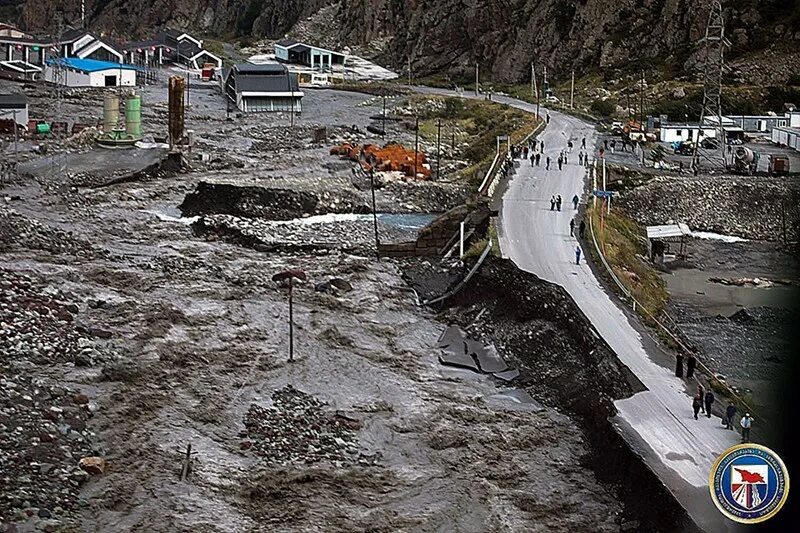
563	364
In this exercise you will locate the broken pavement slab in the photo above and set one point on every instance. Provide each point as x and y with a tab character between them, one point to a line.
451	335
507	375
489	360
453	356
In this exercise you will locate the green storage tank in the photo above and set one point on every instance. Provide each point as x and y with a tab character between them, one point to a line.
133	117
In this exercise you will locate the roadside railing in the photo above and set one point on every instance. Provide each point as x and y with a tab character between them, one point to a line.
635	304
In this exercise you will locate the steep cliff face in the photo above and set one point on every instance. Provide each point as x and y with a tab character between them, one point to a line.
449	36
138	18
505	35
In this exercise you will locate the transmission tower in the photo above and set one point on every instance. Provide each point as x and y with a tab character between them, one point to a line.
714	44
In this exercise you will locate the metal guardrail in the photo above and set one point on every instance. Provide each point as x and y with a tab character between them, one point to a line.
464	281
635	303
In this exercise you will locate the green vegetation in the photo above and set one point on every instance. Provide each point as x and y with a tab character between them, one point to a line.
622	242
475	251
479	123
603	108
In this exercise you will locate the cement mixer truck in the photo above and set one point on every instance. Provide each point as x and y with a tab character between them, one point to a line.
745	161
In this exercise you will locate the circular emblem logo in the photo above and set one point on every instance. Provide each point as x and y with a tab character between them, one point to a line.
749	483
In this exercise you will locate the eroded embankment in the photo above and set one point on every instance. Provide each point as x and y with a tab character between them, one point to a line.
759	208
565	364
262	202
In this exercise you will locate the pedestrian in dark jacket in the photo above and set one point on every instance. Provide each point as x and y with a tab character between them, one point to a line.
558	203
701	393
538	156
690	366
583	143
572	227
730	412
547	163
709	402
580	158
560	162
575	201
552	203
605	144
696	404
581	229
577	255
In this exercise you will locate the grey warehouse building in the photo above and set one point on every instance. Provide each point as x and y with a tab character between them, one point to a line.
262	88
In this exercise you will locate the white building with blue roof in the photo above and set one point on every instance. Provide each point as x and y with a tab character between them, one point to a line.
77	72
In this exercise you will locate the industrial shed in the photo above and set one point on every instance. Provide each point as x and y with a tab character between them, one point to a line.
291	51
14	106
90	73
262	88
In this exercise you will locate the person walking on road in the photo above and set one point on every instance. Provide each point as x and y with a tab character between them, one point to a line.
560	162
605	144
583	143
538	156
548	117
525	152
730	412
709	402
565	158
547	163
580	158
558	203
572	227
569	146
690	366
575	201
613	145
581	229
552	203
534	159
746	422
701	394
577	255
696	404
541	146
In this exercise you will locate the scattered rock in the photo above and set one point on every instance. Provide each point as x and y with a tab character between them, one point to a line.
94	465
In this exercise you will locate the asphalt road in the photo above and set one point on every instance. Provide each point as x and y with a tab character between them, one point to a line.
658	423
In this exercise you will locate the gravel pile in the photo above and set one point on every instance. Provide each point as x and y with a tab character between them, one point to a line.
43	436
35	326
747	207
19	230
298	430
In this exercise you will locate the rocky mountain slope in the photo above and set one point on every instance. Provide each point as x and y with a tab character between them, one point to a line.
448	36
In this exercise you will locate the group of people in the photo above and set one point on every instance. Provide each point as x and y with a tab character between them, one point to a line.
703	402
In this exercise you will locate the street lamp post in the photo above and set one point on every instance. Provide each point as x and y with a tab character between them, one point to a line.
290	276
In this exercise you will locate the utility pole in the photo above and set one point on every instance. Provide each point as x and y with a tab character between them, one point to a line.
383	119
476	80
572	91
438	149
641	101
416	144
535	90
409	70
533	82
16	152
374	212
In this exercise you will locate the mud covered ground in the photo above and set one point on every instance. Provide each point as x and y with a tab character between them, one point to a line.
131	336
564	364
